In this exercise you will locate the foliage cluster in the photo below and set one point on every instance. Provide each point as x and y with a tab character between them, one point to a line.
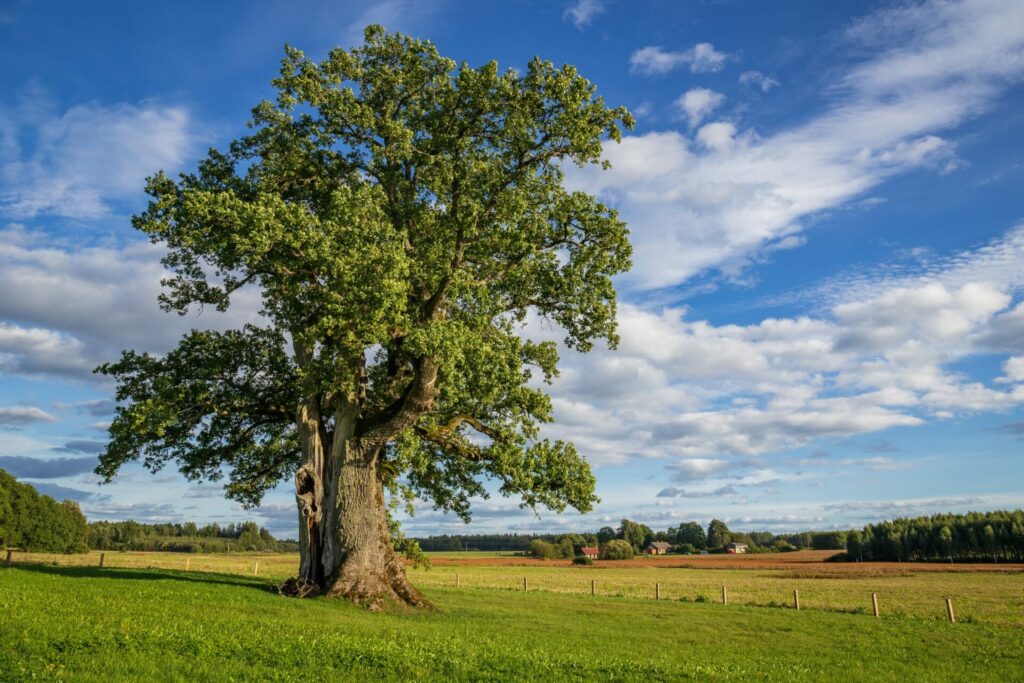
36	522
616	549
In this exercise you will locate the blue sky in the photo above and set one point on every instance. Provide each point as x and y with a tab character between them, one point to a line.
824	321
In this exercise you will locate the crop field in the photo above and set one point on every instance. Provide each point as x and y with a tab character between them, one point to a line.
143	616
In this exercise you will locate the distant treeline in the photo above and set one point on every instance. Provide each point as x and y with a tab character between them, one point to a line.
38	523
185	538
688	537
973	537
489	542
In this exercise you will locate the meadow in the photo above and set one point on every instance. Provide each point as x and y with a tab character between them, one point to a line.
143	616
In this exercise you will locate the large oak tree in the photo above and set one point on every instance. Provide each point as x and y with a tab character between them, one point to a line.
400	216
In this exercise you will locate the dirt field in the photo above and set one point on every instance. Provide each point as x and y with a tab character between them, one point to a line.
802	562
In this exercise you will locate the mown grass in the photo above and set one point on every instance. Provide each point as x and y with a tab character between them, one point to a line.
91	624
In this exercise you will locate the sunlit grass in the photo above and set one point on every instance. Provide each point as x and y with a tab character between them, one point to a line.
84	623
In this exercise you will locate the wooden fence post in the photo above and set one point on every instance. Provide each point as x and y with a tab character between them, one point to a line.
949	611
9	553
256	569
796	599
725	596
874	603
593	587
526	585
458	580
103	556
657	591
188	561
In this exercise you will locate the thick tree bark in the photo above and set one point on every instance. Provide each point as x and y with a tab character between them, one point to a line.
344	542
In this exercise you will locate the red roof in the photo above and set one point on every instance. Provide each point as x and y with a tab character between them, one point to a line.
589	550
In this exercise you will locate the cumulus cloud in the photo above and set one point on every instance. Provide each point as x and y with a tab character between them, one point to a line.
583	12
73	163
18	416
699	208
708	398
656	61
66	310
697	103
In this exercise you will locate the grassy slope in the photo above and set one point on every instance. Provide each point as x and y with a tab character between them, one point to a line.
91	624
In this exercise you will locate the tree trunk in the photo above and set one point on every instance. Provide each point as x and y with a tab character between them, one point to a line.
344	542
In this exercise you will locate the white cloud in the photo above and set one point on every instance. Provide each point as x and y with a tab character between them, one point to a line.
78	161
583	12
697	103
1013	369
66	310
717	136
656	61
711	397
700	209
756	79
22	415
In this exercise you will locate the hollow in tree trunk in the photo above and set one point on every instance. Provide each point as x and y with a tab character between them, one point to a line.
344	541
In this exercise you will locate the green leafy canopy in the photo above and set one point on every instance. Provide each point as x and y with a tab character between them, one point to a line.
400	216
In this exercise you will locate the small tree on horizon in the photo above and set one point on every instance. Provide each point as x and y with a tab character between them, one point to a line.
400	216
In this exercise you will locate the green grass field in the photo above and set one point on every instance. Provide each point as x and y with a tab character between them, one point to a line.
91	624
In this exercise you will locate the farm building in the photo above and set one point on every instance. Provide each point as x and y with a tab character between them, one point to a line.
657	548
589	551
736	548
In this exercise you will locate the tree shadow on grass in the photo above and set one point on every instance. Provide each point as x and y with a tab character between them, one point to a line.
150	574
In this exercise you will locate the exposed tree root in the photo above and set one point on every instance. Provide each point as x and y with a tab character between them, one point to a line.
296	587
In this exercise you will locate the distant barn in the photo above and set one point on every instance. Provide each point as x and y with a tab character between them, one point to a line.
589	551
657	548
736	548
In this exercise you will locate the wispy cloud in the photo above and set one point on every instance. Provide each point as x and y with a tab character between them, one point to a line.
23	415
699	209
582	13
76	162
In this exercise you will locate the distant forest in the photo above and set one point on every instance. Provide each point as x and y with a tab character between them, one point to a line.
974	537
185	538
